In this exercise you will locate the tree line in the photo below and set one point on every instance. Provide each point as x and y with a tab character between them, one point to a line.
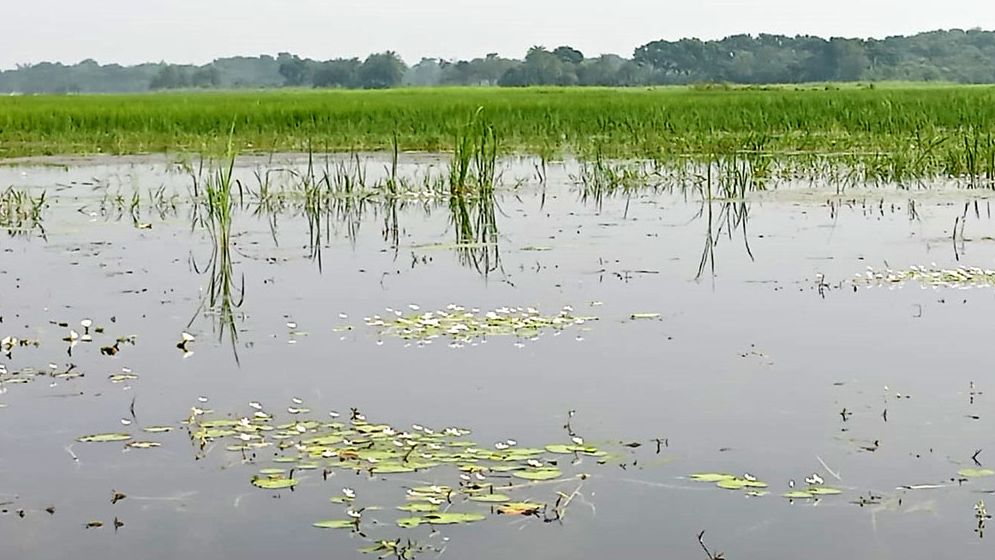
963	56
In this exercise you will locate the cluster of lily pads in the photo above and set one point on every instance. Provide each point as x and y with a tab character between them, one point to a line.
959	277
461	325
815	486
462	481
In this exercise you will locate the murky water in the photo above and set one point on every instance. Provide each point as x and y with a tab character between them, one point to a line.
775	365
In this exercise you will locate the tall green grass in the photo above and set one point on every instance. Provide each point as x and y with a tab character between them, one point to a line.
654	123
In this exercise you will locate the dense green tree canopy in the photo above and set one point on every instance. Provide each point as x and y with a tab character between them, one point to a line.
953	55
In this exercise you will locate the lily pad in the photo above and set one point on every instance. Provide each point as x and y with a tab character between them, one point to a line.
158	429
635	316
336	524
519	508
538	474
824	491
490	498
391	468
104	438
451	518
712	477
274	483
409	522
798	495
740	483
976	473
419	507
562	449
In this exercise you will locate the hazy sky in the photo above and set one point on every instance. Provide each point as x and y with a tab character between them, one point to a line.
132	31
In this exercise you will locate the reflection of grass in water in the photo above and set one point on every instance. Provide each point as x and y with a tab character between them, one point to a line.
472	205
219	205
731	216
21	213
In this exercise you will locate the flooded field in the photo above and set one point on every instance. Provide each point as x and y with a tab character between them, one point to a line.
568	365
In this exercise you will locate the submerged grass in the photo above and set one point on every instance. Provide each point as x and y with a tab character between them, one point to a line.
20	212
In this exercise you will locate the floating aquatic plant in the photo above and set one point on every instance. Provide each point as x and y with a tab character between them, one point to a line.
461	325
960	277
472	481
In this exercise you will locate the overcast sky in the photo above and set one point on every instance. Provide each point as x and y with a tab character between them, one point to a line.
133	31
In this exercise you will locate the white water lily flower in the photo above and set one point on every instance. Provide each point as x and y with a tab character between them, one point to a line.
577	440
256	405
349	493
814	480
187	337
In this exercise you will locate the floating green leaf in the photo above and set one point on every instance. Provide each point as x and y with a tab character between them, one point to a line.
451	518
563	449
157	429
538	474
104	438
336	524
519	508
712	477
740	483
419	507
490	498
644	316
976	473
391	468
274	483
409	522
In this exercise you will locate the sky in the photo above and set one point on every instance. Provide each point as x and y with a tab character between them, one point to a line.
198	31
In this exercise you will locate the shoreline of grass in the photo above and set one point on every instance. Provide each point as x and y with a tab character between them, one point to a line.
919	128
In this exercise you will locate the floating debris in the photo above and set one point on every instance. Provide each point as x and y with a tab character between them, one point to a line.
961	277
461	325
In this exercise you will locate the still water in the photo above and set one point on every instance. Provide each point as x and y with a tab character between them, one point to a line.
773	361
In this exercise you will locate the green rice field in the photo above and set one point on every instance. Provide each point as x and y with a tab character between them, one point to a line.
934	129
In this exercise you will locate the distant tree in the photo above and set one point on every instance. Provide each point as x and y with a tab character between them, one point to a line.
849	59
339	73
381	70
170	77
957	55
569	54
428	72
295	72
541	67
206	77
